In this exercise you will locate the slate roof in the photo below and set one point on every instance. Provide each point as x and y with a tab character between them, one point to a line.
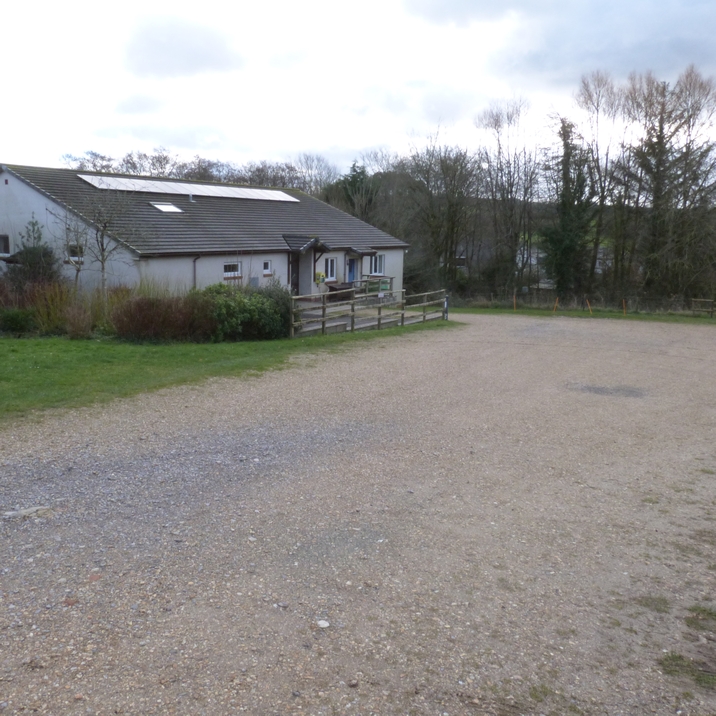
206	224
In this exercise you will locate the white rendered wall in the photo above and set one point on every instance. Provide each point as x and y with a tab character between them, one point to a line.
19	203
177	272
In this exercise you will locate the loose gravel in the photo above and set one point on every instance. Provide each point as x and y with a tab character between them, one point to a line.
517	516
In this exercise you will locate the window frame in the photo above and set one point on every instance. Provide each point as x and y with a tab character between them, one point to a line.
268	271
233	275
377	265
331	263
4	242
75	257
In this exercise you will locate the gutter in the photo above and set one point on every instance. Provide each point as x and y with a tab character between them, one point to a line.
196	258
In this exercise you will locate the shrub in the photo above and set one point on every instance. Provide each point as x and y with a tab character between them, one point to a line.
281	296
7	296
251	314
168	318
50	302
35	262
227	311
78	320
17	321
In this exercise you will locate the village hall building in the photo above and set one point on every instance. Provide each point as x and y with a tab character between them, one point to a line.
189	234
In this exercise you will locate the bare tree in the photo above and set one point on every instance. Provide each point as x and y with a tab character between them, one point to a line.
90	161
158	164
73	234
99	231
444	188
315	173
510	183
599	98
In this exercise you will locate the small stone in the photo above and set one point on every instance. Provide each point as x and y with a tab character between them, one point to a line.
296	693
353	683
323	624
283	605
252	539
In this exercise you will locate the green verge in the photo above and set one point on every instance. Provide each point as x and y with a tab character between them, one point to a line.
596	313
45	373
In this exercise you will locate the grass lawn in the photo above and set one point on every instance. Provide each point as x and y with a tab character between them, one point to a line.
41	373
703	320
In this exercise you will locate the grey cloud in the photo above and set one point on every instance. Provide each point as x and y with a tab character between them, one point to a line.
138	104
560	40
556	50
176	48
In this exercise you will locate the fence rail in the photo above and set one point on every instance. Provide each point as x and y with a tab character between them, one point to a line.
703	305
343	310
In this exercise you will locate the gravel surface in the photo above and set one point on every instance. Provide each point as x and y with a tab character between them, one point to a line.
512	517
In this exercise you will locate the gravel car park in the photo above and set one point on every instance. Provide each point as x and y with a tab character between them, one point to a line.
514	516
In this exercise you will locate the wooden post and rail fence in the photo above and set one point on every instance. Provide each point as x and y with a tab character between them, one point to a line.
702	305
343	310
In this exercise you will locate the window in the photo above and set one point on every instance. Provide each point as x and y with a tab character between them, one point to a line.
4	244
330	270
377	264
267	268
75	254
232	271
166	206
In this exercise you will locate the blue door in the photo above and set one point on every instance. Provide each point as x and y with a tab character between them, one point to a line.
351	270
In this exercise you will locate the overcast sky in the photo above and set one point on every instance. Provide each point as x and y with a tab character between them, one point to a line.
242	81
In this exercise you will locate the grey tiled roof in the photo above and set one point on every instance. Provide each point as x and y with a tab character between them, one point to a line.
206	224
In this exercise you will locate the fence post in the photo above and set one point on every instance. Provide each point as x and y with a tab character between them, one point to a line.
425	308
402	307
323	314
353	313
380	307
445	307
293	316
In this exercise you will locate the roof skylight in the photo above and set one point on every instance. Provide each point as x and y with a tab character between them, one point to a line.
166	207
167	186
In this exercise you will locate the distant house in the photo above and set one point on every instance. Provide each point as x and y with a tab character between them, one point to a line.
188	234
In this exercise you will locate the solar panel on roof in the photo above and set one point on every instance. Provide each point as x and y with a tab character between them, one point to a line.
158	186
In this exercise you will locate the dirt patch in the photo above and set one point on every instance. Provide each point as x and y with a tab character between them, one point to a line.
516	517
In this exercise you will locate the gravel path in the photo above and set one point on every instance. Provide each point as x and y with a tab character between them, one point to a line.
510	517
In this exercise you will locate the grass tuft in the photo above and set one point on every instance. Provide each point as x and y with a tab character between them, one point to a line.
675	664
656	604
701	618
